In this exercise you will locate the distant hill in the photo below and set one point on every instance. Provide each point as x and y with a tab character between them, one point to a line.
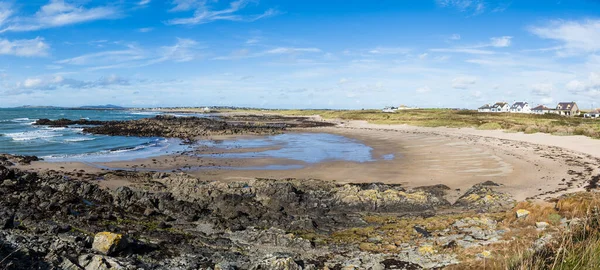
103	107
38	107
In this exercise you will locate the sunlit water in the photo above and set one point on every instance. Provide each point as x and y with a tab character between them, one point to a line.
19	136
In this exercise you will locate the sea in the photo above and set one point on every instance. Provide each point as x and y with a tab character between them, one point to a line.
19	136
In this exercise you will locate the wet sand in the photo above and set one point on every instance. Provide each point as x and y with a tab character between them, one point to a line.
527	166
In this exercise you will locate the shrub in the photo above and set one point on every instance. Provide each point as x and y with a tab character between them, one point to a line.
490	126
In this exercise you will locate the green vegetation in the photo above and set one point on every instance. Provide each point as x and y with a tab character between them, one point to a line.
528	123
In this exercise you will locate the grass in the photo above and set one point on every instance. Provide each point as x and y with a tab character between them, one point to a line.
528	123
575	247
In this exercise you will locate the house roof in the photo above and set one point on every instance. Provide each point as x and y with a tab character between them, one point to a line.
518	105
499	104
541	108
486	106
566	106
596	111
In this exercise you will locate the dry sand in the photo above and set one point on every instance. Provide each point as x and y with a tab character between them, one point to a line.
535	166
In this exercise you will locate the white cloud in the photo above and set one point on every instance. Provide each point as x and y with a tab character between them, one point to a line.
589	87
252	41
463	50
424	89
463	82
57	13
389	50
475	7
576	37
284	50
184	50
501	41
24	47
542	89
145	29
56	81
185	5
144	2
5	12
423	56
547	100
105	57
455	37
245	53
204	14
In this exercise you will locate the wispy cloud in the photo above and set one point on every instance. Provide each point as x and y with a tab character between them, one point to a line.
542	89
56	81
205	14
389	50
24	47
5	12
57	13
500	42
495	42
184	50
144	2
587	87
463	50
474	7
574	37
424	89
245	53
463	82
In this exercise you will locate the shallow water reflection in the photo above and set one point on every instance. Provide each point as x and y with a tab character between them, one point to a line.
306	147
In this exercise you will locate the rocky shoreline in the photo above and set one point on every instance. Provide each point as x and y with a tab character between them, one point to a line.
175	221
189	128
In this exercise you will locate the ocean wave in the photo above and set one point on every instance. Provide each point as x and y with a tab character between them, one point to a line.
32	135
146	113
78	139
24	119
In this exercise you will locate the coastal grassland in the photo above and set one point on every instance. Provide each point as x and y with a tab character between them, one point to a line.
575	242
511	122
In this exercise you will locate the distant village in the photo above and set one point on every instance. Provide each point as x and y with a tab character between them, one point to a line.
562	108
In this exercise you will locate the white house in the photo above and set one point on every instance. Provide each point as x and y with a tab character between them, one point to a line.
389	109
567	108
485	108
593	114
520	107
500	107
541	109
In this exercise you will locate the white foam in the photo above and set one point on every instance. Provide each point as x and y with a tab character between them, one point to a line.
32	135
78	139
146	113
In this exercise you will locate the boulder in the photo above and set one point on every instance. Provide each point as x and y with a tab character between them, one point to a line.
108	243
277	262
522	213
483	196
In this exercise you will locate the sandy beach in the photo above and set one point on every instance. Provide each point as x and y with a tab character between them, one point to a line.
528	166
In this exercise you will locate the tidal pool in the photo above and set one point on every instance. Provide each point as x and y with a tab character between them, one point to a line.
305	147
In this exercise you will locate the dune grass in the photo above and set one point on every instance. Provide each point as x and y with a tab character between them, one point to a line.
573	246
527	123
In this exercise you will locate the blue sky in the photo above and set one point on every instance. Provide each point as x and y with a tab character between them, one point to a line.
299	54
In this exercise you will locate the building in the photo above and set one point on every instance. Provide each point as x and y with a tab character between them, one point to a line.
593	114
541	109
500	107
520	107
389	109
485	108
567	109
